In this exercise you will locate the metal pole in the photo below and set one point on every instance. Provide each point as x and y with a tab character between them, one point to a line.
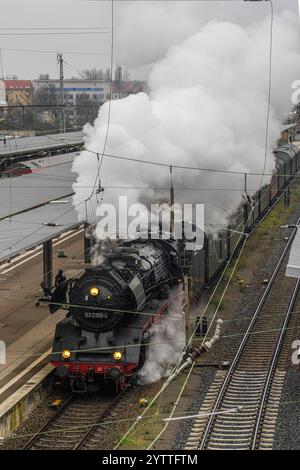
186	307
287	197
87	244
62	123
172	201
47	264
1	62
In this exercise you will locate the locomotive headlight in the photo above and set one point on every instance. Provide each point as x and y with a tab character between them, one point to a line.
117	355
94	291
66	354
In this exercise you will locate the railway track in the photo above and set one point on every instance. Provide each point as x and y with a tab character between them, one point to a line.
73	423
253	384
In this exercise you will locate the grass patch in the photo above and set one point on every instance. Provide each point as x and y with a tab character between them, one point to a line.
147	429
216	300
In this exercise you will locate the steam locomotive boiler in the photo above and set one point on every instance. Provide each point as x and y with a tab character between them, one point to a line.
102	338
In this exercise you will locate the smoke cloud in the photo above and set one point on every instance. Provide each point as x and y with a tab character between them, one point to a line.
207	108
158	25
166	345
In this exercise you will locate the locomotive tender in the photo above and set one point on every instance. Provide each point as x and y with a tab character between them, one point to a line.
105	334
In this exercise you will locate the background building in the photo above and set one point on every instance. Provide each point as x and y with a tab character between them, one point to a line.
18	92
35	105
83	97
2	94
97	91
2	101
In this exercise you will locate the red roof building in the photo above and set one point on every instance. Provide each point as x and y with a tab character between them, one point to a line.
18	92
18	84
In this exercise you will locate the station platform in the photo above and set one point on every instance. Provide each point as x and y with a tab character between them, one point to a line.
32	190
36	207
27	145
27	329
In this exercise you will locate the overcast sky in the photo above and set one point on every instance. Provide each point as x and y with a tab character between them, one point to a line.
143	30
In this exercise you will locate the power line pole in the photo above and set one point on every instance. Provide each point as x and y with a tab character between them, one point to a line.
118	79
2	69
62	119
186	307
172	201
183	262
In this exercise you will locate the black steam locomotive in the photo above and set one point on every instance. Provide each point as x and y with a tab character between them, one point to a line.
103	337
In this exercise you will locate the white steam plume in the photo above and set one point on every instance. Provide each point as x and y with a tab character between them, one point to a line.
160	24
167	341
100	251
207	108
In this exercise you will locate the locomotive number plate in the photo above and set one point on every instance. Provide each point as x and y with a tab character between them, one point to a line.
97	315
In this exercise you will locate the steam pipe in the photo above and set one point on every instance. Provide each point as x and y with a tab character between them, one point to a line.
198	352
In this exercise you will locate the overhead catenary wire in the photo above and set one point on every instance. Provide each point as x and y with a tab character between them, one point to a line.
76	70
116	421
75	28
71	429
177	166
40	228
49	33
84	202
135	345
134	188
41	51
77	306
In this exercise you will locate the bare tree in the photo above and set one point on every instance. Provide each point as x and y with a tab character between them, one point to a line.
86	109
107	75
44	76
118	74
126	75
46	95
93	74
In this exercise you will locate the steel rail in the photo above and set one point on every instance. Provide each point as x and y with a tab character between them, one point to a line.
43	428
269	379
103	415
240	350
